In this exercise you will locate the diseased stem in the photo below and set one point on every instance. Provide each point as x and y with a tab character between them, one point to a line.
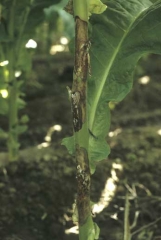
80	119
80	123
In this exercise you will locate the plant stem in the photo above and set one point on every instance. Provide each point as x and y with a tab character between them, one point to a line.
11	20
13	94
13	111
5	68
13	53
146	226
79	109
21	31
127	235
81	9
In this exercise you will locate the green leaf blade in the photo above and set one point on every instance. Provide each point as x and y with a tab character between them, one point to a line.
68	142
121	35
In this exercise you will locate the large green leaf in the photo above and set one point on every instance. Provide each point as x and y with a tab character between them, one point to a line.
120	36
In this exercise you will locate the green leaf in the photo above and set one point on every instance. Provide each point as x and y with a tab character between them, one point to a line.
15	146
69	144
3	85
3	134
20	84
24	119
89	230
24	61
120	36
98	150
96	6
21	129
3	30
21	103
3	106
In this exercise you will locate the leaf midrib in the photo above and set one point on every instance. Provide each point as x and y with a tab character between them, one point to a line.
105	76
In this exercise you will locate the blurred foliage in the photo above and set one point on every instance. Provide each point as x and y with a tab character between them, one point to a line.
58	23
18	22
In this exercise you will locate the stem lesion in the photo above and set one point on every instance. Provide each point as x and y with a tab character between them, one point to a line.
80	86
83	191
80	121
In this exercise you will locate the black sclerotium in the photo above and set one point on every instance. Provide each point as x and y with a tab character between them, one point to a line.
77	111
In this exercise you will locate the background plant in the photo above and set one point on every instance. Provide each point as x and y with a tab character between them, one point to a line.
19	20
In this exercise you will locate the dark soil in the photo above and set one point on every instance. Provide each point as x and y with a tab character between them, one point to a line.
37	192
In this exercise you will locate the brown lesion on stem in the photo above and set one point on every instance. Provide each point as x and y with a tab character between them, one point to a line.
78	99
81	49
81	69
83	179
